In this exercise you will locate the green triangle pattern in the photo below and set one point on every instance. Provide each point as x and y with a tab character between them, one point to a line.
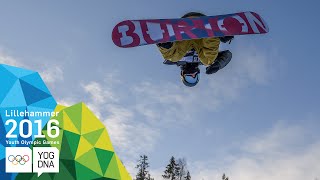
83	173
67	170
70	167
73	141
74	112
86	150
113	170
59	117
90	158
65	151
104	158
93	136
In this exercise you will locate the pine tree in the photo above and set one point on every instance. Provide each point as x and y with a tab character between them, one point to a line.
188	177
171	170
149	177
177	172
143	165
224	177
181	168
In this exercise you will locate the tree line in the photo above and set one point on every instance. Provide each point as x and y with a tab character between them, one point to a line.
175	170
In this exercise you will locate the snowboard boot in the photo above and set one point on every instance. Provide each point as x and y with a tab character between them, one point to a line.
226	39
224	57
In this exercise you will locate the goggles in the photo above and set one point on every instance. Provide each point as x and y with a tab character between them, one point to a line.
191	78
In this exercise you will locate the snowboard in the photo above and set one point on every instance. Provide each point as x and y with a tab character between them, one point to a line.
132	33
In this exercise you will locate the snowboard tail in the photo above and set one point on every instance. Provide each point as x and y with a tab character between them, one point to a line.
132	33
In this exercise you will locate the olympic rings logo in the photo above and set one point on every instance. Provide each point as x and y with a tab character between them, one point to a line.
22	160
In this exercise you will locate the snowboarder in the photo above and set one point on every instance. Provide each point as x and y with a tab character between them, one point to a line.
189	54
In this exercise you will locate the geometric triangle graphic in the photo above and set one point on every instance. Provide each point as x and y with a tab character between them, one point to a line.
73	141
104	158
75	115
18	72
36	81
91	121
123	172
83	147
14	97
93	137
104	142
85	173
66	168
70	166
113	170
7	80
68	125
86	151
91	158
66	150
29	91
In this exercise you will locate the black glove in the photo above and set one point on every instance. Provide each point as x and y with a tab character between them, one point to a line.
213	68
226	39
224	57
168	62
166	45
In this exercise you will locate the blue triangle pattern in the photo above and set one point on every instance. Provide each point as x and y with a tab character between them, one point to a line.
32	94
7	111
14	97
36	81
2	150
18	72
3	174
45	103
7	80
20	90
2	132
44	119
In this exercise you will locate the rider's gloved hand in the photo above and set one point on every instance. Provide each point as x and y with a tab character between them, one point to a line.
166	45
226	39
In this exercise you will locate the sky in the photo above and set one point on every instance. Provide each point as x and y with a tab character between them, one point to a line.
258	118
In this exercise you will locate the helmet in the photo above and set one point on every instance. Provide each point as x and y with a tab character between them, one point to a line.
190	74
194	14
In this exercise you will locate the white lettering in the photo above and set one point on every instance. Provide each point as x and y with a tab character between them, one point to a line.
125	40
153	31
254	22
